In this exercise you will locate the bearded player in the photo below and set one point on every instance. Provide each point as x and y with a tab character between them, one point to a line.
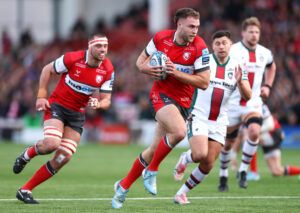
82	74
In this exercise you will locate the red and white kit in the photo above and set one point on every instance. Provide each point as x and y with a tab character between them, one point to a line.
192	58
79	81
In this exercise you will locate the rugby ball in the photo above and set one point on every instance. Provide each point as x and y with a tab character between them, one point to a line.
159	58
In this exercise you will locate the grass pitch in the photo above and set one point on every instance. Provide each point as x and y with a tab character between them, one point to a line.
86	185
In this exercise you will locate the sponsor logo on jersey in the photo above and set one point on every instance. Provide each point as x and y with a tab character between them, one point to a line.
186	55
205	56
168	43
112	80
80	65
99	79
79	87
185	69
77	73
222	83
100	71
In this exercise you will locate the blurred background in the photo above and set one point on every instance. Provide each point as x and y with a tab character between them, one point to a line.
35	32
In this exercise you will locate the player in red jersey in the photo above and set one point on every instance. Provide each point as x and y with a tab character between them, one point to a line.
82	74
187	68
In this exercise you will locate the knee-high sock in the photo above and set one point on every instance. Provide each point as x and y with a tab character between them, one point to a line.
291	170
31	152
253	163
249	149
162	150
224	162
196	177
44	173
134	173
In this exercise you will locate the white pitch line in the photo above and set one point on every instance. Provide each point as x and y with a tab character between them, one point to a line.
159	198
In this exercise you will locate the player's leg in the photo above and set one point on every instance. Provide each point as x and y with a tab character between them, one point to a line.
122	186
253	123
62	156
231	137
173	122
236	147
198	140
253	171
273	159
53	129
64	149
199	173
184	159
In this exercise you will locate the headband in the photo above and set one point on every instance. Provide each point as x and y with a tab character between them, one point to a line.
102	40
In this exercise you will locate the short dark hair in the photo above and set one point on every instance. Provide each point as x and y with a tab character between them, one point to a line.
98	35
221	33
184	13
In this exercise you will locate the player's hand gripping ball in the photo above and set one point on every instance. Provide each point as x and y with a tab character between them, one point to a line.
158	58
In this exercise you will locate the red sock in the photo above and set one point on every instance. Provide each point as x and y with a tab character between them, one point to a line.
135	172
31	152
39	177
253	164
292	170
160	153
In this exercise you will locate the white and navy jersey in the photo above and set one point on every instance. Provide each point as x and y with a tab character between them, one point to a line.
211	104
255	62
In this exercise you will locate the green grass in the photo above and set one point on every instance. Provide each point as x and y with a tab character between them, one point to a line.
94	169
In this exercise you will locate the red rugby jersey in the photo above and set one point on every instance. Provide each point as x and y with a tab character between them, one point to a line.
191	58
79	80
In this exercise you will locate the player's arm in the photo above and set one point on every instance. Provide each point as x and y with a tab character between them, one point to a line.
42	102
103	102
143	66
269	79
199	80
243	84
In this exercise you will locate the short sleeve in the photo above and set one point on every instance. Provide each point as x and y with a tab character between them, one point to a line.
64	62
107	86
59	65
202	62
151	48
269	58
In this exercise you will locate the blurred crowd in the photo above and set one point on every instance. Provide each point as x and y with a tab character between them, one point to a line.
22	62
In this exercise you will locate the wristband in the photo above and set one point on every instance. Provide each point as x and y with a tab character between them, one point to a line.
267	85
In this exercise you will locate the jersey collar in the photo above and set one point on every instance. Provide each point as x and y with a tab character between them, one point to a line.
175	42
221	65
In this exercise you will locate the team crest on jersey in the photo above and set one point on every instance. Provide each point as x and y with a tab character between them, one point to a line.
230	75
261	58
186	55
98	78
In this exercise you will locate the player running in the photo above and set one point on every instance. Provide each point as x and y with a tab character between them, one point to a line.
186	69
259	64
82	74
208	120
